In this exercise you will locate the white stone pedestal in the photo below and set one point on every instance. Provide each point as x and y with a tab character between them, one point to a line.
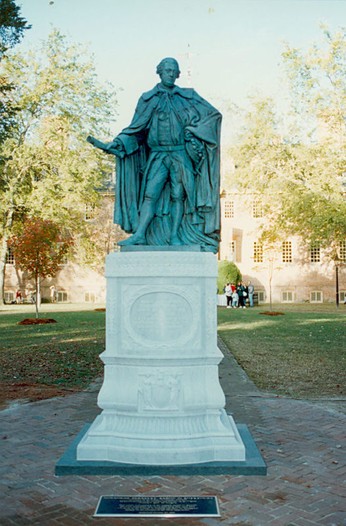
161	397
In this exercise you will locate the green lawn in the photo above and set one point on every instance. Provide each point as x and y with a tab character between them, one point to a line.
62	354
301	353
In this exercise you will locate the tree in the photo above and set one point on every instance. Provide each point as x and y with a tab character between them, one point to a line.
12	27
48	168
317	81
40	250
318	87
298	171
228	272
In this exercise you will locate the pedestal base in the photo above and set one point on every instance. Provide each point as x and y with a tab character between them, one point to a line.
253	464
197	438
161	397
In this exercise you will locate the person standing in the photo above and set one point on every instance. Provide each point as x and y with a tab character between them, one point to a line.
18	297
235	299
250	290
228	292
241	290
53	294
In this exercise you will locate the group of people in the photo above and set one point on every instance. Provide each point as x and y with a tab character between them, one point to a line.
29	296
26	297
238	295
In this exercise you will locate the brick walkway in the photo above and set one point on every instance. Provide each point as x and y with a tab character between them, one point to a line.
300	441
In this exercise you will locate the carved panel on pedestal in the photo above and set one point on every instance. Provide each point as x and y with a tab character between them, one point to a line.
160	316
160	391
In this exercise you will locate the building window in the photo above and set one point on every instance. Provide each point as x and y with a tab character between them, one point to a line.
287	252
315	254
258	252
342	296
287	296
89	297
261	296
229	209
8	297
62	296
316	296
342	250
231	251
257	208
9	256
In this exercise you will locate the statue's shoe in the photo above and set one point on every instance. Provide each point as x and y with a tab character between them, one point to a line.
133	240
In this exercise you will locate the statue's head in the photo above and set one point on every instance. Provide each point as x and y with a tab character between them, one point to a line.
169	71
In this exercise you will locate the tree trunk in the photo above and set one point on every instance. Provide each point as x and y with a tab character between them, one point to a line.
337	285
37	295
3	254
270	285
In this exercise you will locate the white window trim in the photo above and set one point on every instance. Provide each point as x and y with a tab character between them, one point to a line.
316	292
261	296
92	297
61	293
287	292
9	296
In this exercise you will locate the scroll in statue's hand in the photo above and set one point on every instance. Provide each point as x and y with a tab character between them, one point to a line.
115	147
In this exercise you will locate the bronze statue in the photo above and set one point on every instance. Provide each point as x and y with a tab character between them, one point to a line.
168	167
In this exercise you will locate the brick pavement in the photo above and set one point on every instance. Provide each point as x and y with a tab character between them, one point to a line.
300	441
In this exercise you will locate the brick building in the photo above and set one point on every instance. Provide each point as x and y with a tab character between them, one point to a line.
293	271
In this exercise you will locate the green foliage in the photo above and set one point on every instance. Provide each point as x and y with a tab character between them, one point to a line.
298	172
48	169
318	84
12	25
228	272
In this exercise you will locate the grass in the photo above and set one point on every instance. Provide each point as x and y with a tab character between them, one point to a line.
300	354
63	354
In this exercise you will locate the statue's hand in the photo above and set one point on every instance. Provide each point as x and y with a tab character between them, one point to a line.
115	145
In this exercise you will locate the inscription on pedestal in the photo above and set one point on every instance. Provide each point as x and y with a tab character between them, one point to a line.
160	317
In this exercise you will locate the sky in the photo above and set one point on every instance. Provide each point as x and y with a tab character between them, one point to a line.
227	49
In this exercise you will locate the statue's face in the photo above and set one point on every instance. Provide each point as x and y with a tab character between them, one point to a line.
169	74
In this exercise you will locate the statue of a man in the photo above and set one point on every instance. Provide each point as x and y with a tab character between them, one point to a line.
168	167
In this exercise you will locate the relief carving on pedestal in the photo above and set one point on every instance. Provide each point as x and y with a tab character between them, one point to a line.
160	391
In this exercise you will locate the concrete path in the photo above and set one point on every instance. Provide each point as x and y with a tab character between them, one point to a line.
301	442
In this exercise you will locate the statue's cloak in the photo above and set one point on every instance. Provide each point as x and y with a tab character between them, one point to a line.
201	219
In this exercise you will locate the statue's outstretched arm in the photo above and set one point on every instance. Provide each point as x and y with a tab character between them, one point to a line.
115	147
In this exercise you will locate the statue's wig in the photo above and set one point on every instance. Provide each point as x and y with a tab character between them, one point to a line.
163	62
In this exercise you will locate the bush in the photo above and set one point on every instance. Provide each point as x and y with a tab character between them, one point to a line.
228	272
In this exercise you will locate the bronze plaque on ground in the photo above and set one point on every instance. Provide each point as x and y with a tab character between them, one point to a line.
145	506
